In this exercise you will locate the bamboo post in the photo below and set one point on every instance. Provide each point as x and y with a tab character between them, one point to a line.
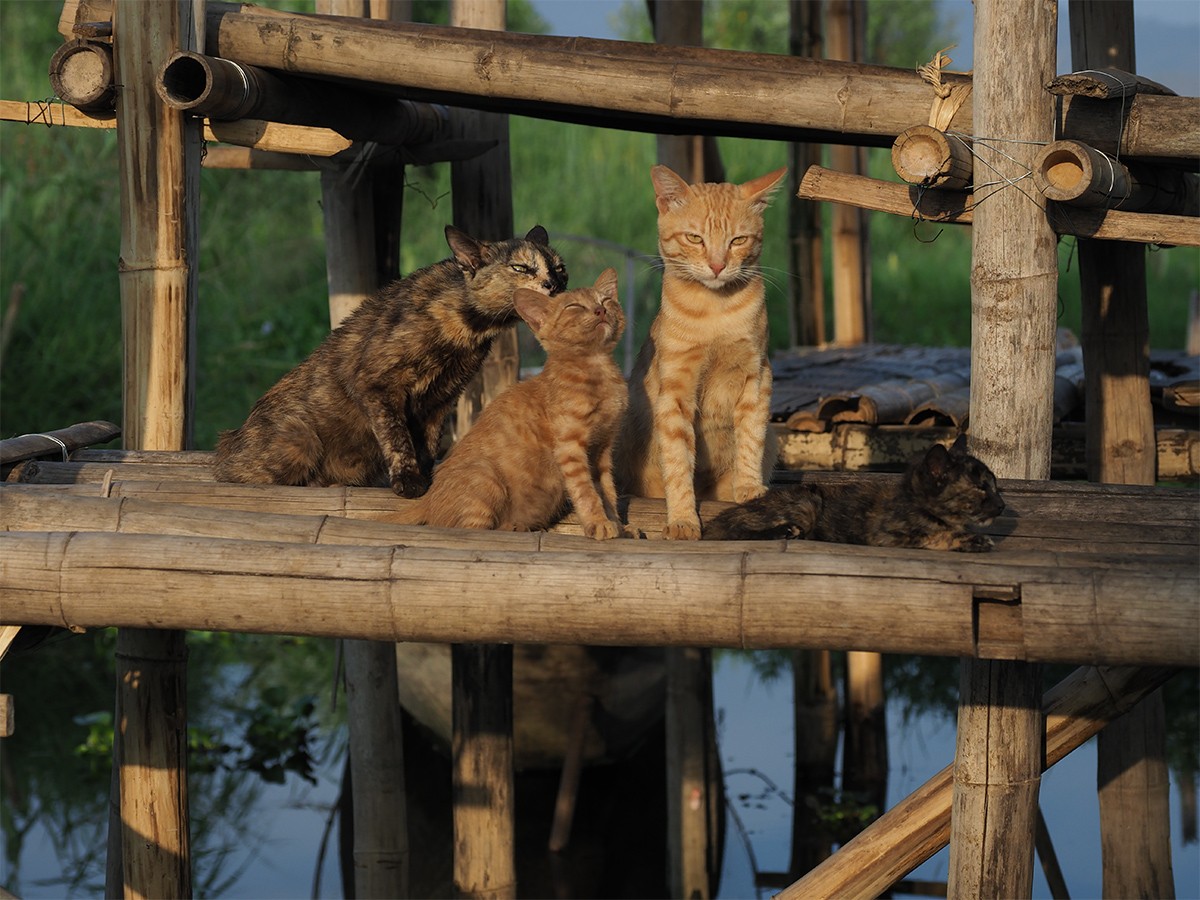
806	305
380	844
1014	271
484	827
1121	448
846	39
158	171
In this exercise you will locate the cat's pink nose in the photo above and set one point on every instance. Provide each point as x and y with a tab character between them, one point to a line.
717	267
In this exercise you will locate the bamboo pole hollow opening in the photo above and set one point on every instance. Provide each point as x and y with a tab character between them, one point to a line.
210	86
1070	171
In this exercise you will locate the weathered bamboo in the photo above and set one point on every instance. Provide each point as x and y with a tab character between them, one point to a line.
845	39
1107	83
1072	172
1132	772
158	174
7	715
51	443
1014	274
645	87
81	73
919	826
484	588
926	156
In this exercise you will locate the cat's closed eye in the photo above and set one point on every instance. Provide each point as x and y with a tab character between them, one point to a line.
522	268
738	241
694	239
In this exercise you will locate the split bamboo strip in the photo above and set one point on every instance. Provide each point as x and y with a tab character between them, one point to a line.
1107	83
470	588
919	826
958	208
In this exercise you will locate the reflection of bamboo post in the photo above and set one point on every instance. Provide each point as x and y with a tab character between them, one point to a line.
815	734
865	752
568	785
926	156
689	685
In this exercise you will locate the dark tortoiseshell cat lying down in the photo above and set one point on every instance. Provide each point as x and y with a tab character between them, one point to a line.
933	504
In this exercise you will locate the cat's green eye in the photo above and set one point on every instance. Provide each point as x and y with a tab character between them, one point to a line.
694	239
738	241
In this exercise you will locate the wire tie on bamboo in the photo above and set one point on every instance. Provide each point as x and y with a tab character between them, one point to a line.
65	451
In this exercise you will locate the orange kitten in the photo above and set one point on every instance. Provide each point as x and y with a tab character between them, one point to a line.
548	439
700	392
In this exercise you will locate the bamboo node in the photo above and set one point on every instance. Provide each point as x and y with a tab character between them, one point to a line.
948	98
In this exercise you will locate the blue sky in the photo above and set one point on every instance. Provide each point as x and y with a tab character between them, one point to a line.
1167	33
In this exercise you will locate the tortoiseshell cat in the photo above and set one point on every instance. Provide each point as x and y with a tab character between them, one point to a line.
940	495
366	407
700	392
548	439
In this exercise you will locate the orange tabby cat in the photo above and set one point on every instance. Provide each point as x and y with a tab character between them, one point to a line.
700	392
548	439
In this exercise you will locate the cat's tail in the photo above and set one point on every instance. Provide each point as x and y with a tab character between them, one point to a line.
414	512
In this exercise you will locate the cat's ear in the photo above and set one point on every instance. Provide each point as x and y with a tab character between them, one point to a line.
959	447
537	234
606	284
532	307
937	463
670	190
468	252
760	190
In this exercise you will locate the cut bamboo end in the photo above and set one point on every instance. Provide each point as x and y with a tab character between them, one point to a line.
1073	172
208	86
925	156
81	73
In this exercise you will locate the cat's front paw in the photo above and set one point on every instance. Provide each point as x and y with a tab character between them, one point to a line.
682	531
409	483
745	493
975	543
602	531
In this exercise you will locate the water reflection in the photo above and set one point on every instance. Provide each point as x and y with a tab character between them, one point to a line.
254	838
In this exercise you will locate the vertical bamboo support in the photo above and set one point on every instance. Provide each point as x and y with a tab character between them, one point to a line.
865	751
482	206
806	305
1132	770
1013	300
353	222
484	828
482	751
159	170
815	734
845	40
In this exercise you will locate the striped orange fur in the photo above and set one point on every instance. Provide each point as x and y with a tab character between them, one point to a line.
700	391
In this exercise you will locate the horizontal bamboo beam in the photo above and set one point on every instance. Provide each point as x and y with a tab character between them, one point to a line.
919	826
640	87
64	441
955	207
268	136
389	582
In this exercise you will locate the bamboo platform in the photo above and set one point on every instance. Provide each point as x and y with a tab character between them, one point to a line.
1086	574
872	406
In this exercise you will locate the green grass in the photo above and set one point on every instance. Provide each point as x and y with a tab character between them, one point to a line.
262	303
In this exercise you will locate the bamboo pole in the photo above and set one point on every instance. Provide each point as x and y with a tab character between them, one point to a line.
1072	172
1131	763
481	674
1014	270
62	441
159	167
806	290
845	26
919	826
643	87
958	207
